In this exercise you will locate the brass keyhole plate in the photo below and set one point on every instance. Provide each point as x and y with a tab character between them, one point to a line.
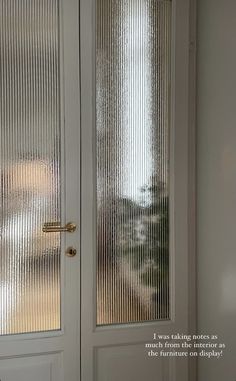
71	251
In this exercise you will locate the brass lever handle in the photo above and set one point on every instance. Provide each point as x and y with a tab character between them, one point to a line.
54	227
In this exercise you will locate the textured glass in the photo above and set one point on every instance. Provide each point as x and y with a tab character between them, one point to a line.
29	165
133	65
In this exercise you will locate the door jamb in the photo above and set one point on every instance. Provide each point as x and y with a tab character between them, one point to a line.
192	180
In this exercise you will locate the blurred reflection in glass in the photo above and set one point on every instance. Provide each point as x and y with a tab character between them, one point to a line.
133	116
29	166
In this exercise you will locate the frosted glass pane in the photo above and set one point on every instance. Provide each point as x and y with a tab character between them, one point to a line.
29	165
133	65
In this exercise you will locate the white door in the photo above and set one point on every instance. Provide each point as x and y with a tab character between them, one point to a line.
135	187
131	235
39	117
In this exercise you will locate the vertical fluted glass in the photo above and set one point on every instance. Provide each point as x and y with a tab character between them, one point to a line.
133	70
29	165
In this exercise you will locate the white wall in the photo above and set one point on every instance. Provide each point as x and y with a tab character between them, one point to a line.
217	182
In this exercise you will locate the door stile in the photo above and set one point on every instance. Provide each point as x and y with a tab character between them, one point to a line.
72	186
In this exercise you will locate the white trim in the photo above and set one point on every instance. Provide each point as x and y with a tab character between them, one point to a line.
72	181
62	158
192	222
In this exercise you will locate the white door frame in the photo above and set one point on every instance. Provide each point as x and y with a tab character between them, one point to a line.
192	182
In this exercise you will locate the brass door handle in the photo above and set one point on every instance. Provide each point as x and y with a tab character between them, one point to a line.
54	227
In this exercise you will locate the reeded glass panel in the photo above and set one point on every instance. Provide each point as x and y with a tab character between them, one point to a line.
133	64
29	165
